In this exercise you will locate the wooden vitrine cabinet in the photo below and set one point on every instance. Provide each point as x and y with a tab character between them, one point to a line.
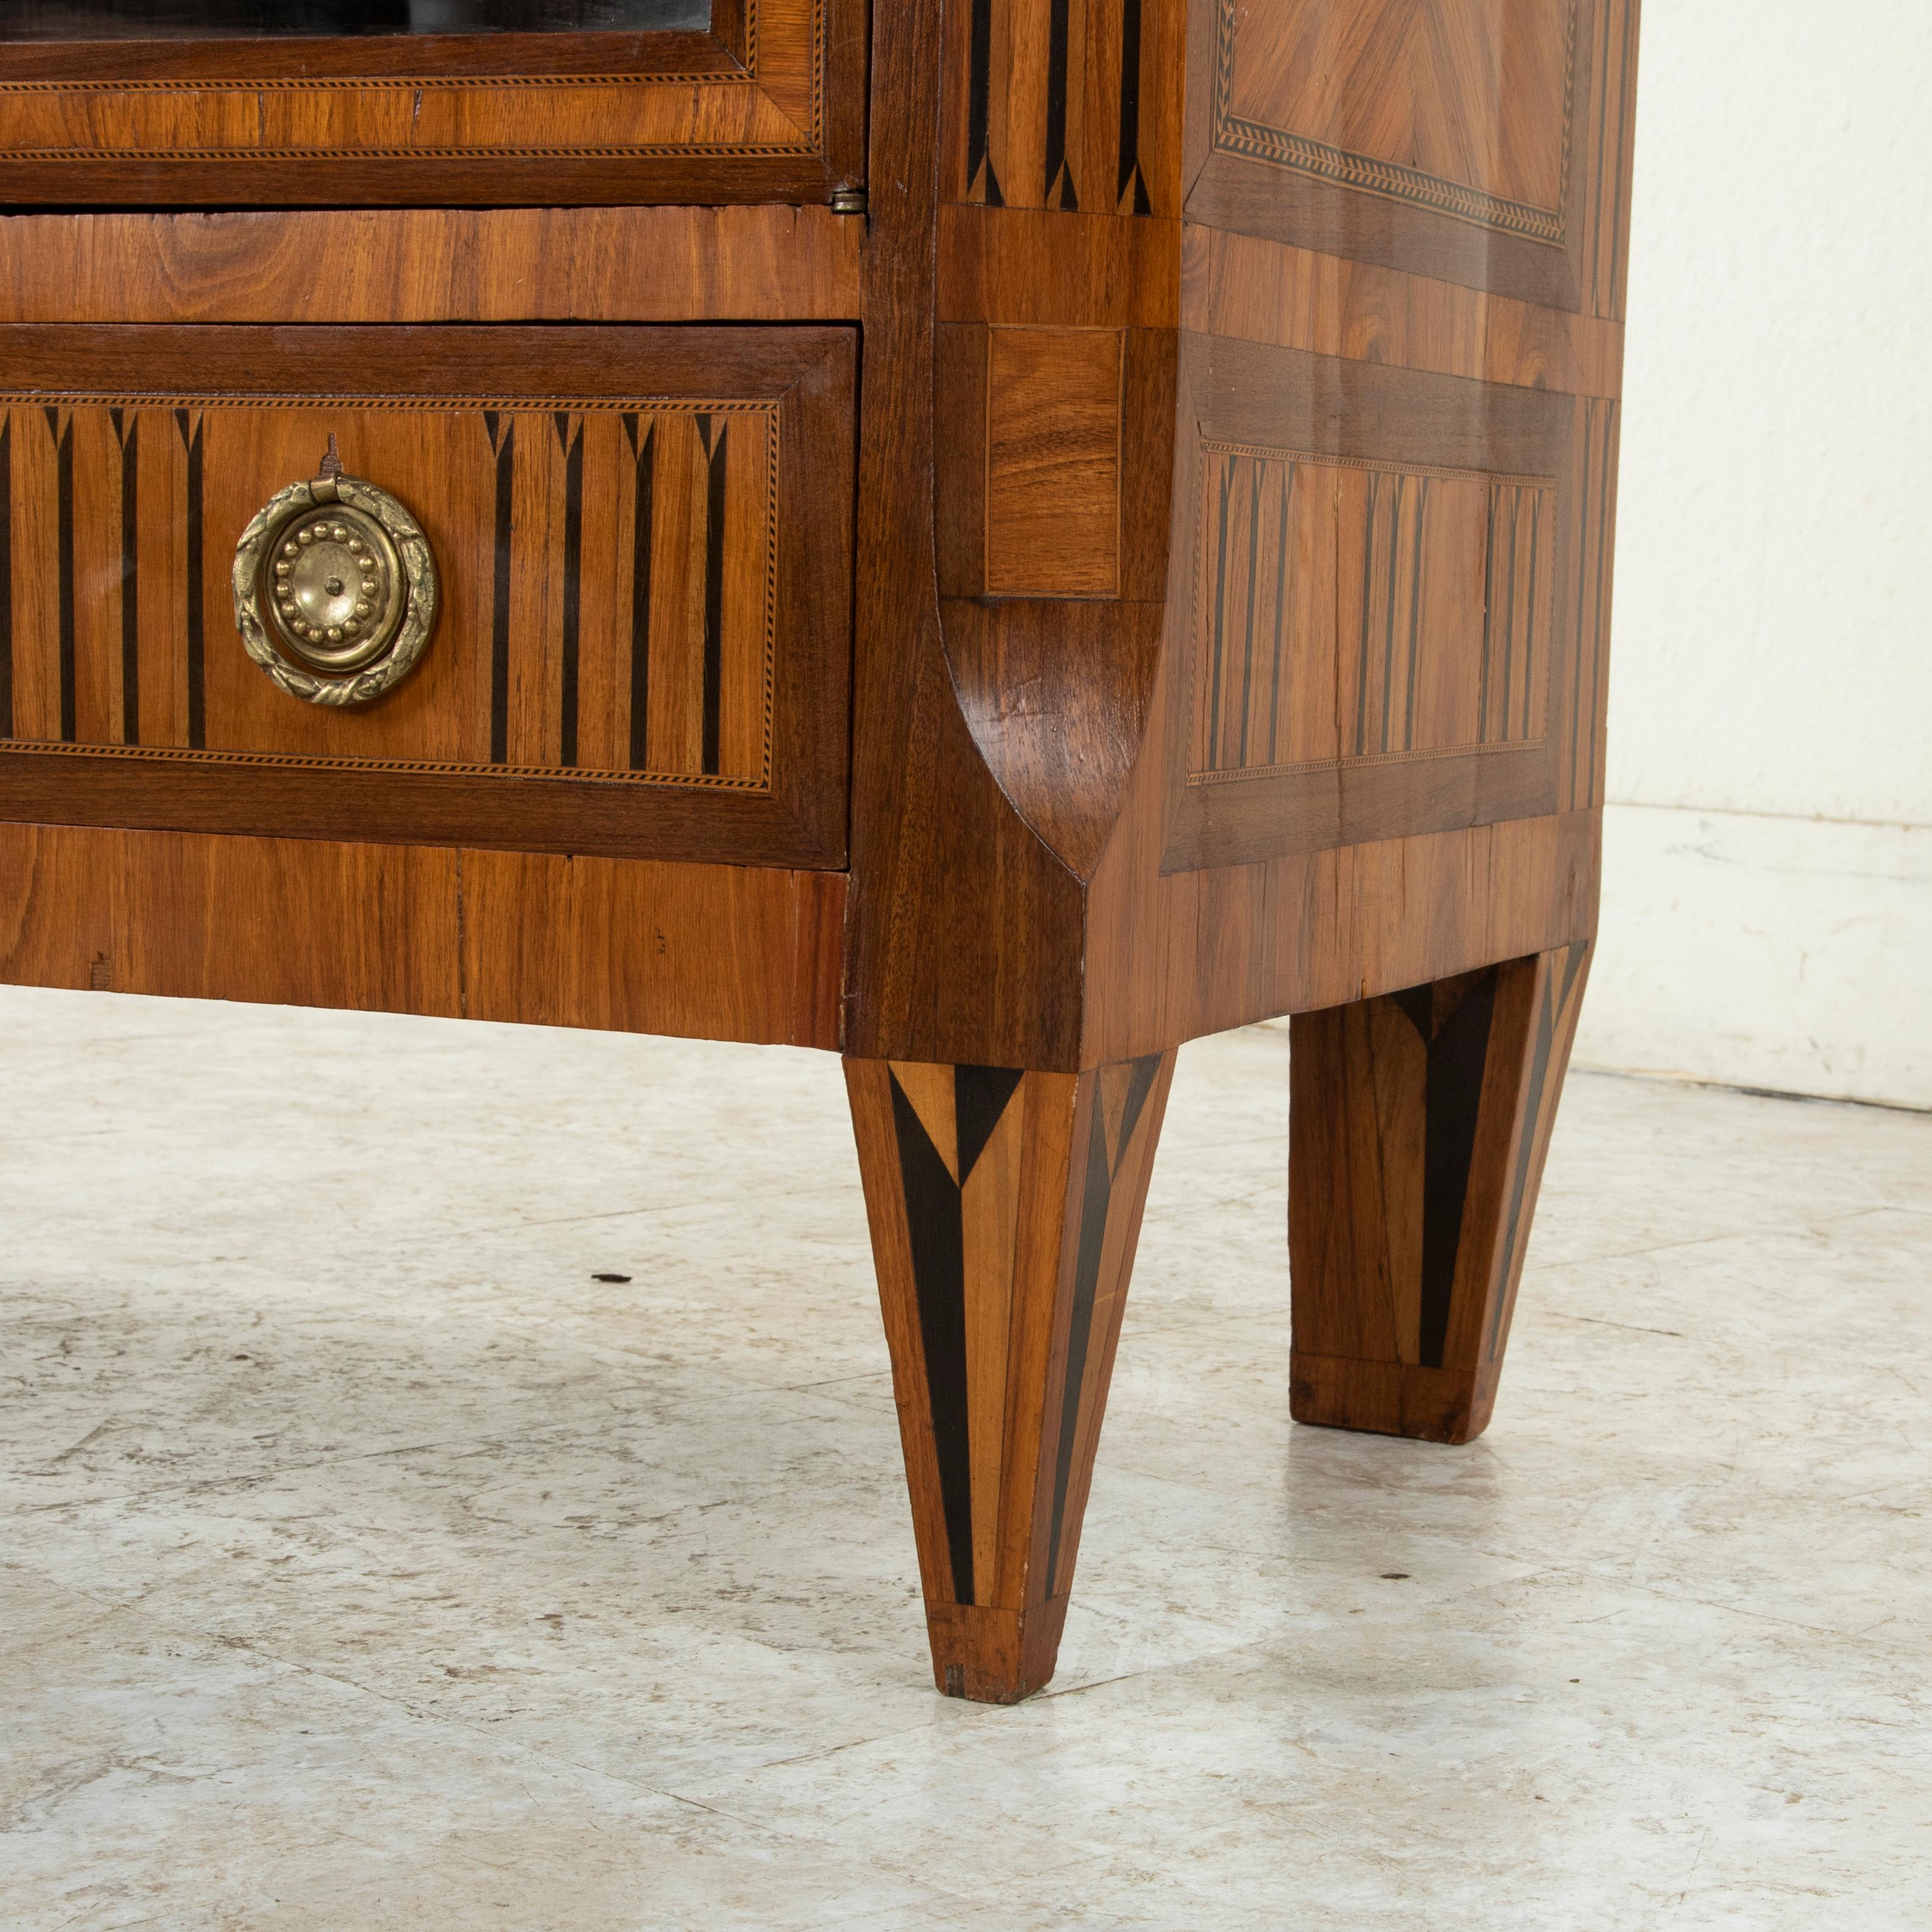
993	538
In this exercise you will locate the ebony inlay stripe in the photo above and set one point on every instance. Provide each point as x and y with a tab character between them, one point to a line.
1599	640
127	435
1509	616
1488	614
1254	585
1388	615
1061	191
1505	704
1582	593
1133	188
1096	1195
1414	619
1095	1202
1457	1047
714	443
935	1231
1220	656
1592	592
6	575
978	109
643	525
1280	650
64	545
1535	567
502	435
191	427
1558	986
573	581
1368	581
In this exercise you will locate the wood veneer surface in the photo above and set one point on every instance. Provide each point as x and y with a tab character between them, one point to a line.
674	264
626	945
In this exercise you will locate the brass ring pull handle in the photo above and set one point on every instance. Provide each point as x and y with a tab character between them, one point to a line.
335	589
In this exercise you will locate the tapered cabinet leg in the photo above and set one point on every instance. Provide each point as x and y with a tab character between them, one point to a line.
1417	1129
1004	1207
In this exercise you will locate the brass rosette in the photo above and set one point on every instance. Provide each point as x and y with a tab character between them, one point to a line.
335	590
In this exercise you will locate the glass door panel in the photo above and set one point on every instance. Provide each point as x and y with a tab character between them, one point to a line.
347	102
221	19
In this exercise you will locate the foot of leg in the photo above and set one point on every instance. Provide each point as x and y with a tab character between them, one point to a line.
1418	1127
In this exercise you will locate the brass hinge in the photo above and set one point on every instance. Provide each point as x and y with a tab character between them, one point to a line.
848	201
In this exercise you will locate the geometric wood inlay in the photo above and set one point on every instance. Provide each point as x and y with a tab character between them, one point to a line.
957	1131
1417	120
608	568
1401	597
1118	1156
1352	611
1063	104
961	1141
1419	1127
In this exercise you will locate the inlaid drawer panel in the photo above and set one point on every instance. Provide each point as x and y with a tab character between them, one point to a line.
641	542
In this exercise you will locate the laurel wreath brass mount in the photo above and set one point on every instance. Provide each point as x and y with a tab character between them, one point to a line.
335	589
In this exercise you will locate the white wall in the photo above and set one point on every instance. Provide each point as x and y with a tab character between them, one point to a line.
1768	894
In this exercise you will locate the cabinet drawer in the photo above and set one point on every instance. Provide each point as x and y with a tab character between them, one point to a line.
246	102
641	541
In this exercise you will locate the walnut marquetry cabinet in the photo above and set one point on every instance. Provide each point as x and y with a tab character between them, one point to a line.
989	537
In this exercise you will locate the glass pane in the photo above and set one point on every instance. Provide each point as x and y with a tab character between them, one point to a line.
224	19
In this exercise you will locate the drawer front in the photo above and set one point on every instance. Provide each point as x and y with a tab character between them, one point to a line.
641	541
730	101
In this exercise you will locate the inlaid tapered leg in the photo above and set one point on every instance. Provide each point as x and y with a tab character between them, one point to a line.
1004	1207
1417	1129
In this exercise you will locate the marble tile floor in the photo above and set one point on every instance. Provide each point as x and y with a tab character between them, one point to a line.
366	1564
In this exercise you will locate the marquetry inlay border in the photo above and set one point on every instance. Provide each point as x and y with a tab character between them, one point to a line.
1066	104
290	761
190	410
1280	147
348	399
